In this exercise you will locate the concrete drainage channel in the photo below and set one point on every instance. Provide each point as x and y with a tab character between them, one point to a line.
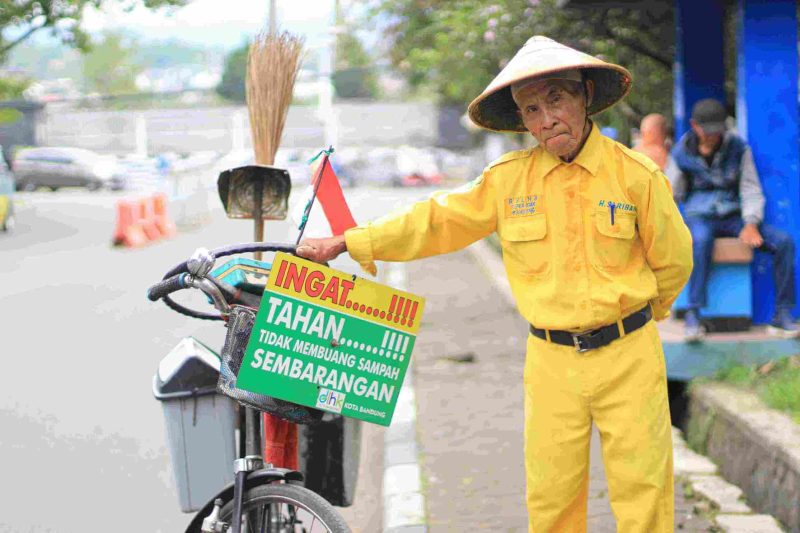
755	447
724	501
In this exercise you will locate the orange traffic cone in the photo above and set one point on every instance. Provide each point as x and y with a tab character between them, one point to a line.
128	231
163	222
147	219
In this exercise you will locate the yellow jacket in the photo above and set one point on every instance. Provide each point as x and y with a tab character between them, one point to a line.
570	266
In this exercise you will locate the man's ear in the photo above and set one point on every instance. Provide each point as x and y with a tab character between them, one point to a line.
589	89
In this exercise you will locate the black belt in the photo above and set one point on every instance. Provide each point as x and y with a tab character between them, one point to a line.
590	340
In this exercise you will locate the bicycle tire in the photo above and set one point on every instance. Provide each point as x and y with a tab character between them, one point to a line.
257	499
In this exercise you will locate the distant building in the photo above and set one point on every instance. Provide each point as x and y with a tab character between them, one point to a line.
179	78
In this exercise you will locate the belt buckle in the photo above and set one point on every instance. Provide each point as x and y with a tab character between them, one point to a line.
579	338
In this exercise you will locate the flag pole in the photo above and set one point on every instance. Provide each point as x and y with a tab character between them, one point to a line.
318	180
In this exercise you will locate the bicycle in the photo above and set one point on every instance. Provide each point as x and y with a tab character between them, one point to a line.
262	497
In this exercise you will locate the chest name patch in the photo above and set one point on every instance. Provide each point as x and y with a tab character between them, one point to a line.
522	206
620	206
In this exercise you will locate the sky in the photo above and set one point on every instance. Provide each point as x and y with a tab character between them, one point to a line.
225	23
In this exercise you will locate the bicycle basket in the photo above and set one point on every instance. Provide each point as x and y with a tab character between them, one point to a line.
240	324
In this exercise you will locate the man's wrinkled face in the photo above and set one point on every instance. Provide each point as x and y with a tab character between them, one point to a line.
554	111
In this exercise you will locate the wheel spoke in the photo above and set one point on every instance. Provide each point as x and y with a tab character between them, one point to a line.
264	511
283	509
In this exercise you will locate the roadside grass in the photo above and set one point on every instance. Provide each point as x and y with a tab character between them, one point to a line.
777	383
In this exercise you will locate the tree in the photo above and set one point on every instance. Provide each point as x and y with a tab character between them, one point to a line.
353	76
456	48
12	89
232	84
62	17
108	67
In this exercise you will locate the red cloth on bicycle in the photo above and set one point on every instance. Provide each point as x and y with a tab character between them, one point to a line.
331	197
280	442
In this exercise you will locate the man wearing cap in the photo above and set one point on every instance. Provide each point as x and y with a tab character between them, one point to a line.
594	248
712	172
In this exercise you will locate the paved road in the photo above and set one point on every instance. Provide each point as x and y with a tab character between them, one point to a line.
82	446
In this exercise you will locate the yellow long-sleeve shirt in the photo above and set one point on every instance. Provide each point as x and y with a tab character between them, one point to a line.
571	264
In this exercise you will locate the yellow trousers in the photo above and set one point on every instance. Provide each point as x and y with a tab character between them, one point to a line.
622	388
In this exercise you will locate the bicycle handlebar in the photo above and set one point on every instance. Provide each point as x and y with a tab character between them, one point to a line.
223	294
167	286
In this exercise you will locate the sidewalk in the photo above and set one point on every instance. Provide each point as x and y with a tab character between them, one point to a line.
468	364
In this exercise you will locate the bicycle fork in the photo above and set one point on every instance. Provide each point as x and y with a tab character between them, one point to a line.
242	468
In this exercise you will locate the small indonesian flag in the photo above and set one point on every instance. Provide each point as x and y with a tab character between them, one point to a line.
331	197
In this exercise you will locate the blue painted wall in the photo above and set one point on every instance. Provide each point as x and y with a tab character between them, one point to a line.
767	116
699	68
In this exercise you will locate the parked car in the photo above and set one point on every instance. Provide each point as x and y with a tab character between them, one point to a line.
418	168
6	196
56	167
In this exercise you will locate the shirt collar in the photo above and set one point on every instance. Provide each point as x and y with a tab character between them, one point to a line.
588	157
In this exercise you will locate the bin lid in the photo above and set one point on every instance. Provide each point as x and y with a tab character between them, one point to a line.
189	368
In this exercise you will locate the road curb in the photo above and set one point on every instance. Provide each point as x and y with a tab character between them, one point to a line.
403	498
732	514
756	450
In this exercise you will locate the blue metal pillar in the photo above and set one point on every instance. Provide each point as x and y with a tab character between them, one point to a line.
699	68
767	117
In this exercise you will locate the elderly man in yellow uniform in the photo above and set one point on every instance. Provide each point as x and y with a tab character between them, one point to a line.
594	248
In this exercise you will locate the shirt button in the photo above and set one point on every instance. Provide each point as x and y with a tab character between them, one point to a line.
570	194
583	305
578	267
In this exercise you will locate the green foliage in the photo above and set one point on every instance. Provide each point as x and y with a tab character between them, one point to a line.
108	67
232	84
737	375
777	383
782	389
9	116
62	17
458	47
11	89
354	76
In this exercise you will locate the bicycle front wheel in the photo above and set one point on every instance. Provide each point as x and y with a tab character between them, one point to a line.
282	508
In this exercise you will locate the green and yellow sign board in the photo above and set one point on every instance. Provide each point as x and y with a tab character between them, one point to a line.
329	340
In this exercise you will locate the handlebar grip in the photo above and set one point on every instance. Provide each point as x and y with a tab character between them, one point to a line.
167	286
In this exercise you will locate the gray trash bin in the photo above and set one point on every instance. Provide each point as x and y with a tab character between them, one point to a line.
200	423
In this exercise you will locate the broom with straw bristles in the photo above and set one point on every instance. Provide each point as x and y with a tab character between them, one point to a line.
273	61
272	64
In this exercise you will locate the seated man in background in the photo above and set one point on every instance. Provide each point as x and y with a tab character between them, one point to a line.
654	139
712	171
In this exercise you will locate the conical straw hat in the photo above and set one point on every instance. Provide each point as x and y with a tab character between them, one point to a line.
495	109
